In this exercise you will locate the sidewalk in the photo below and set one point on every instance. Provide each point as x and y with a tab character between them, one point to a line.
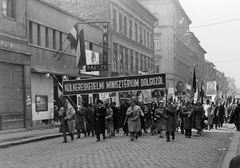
20	136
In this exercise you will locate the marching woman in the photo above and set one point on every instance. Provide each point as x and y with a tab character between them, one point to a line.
109	121
187	119
160	116
153	119
170	121
99	117
80	122
66	114
134	124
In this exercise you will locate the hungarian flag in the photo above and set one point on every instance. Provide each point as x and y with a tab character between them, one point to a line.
81	54
194	85
73	37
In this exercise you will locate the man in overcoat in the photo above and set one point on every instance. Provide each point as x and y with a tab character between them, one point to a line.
99	118
66	114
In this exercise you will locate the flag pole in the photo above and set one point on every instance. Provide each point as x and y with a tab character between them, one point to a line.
68	98
63	52
60	47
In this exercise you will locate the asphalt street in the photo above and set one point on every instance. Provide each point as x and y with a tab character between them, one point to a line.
146	152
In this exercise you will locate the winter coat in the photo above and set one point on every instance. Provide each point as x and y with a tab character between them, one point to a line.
90	119
221	113
68	123
160	117
210	111
170	121
216	115
187	112
80	121
198	115
116	117
133	113
109	120
235	118
99	120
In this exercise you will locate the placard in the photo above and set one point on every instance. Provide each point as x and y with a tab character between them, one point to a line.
41	102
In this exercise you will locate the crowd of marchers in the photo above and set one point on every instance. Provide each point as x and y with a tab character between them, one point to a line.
157	118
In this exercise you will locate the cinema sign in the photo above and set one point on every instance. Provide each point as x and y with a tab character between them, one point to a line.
99	85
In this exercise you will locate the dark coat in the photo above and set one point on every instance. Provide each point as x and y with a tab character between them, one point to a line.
221	113
198	115
170	121
99	119
56	115
187	117
115	117
235	118
80	122
90	119
160	117
216	115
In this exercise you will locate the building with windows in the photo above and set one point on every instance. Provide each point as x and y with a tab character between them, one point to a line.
15	67
35	56
177	49
131	36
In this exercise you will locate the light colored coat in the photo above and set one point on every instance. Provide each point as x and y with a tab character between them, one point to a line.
134	123
70	123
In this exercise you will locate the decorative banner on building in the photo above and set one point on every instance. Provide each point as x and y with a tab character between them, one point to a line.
92	58
211	88
105	43
100	85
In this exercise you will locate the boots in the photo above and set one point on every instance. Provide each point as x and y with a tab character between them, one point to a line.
173	135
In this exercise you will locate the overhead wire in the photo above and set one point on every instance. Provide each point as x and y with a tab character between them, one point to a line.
211	24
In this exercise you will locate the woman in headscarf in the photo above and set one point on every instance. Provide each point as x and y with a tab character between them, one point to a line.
134	124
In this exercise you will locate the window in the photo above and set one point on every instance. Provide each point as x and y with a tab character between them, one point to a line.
156	44
120	24
46	37
149	61
30	32
8	8
126	60
114	20
131	62
140	35
145	63
174	39
136	32
148	39
121	59
130	28
115	56
38	34
151	41
136	63
144	37
141	62
60	41
125	25
54	39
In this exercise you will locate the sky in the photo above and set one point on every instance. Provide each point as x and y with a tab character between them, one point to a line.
221	41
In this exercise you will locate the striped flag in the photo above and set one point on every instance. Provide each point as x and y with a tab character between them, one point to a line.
73	37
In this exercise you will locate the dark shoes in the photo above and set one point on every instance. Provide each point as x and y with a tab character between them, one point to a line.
98	140
65	141
78	137
131	139
168	140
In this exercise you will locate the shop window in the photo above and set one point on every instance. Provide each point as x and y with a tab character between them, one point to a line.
30	32
60	41
46	37
54	39
39	34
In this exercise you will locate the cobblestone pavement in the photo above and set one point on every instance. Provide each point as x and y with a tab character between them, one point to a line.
146	152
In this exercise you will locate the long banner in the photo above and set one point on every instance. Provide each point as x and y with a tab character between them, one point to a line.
99	85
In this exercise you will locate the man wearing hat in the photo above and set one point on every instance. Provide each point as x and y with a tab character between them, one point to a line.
99	118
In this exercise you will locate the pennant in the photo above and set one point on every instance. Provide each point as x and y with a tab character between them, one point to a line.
82	59
73	37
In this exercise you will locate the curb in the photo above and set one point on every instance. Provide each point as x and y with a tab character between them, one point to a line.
28	140
232	150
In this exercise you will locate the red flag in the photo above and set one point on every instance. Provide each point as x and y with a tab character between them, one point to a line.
82	59
194	84
73	37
